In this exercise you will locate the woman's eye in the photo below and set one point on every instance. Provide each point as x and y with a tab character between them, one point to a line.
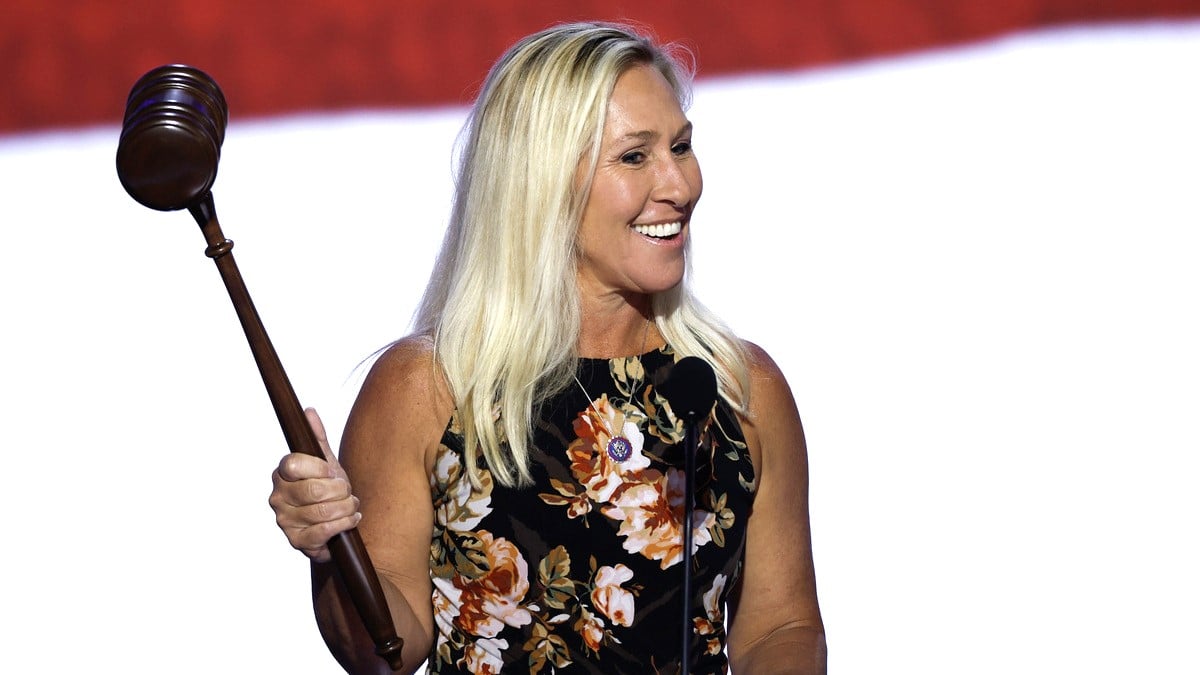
635	157
682	147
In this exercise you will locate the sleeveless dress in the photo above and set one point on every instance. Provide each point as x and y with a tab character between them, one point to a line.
581	572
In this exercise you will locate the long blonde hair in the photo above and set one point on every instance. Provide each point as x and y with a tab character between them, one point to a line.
502	304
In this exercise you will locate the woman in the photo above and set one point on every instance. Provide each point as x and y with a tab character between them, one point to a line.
557	308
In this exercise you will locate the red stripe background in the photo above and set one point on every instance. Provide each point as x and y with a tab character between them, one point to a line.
71	62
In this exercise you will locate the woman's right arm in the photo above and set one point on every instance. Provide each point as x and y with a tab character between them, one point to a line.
390	439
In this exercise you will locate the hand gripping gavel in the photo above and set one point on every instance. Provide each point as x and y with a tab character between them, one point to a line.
167	160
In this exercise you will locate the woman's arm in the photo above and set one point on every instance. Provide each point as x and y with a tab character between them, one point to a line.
775	621
388	444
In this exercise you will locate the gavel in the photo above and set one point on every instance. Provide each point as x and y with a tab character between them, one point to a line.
167	158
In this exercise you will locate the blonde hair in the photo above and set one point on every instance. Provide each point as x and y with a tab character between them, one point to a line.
502	304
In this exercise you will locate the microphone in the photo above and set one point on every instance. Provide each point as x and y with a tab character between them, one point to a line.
691	390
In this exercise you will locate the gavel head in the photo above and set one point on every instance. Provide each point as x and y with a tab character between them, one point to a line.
171	140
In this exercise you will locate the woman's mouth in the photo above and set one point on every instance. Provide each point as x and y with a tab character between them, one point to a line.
660	230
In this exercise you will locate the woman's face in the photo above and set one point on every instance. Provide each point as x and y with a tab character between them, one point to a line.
646	184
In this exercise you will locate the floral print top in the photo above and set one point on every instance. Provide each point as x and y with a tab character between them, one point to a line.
581	572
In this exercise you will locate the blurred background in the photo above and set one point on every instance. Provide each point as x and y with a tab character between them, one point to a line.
968	232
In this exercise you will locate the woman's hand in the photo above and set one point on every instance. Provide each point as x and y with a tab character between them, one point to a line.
311	497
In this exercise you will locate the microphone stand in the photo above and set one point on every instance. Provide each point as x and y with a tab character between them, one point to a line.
691	389
691	444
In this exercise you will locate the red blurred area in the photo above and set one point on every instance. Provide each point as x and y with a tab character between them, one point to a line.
71	62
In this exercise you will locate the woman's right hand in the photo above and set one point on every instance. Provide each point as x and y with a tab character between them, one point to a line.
311	497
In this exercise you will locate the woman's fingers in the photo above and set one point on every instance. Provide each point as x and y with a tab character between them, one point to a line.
312	540
311	511
312	498
318	427
294	467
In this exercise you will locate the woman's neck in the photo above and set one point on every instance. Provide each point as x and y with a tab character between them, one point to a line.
616	326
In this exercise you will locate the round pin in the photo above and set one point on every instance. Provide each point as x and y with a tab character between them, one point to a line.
619	449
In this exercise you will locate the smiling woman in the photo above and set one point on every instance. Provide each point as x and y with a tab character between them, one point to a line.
975	267
644	187
530	401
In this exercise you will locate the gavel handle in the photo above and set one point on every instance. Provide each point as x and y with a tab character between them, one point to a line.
349	554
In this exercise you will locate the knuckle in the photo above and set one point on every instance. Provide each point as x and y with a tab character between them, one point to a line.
341	488
318	536
315	491
295	466
287	465
322	512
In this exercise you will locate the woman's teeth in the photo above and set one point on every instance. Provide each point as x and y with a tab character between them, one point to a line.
661	230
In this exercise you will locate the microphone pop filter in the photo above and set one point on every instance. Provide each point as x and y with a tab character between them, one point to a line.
690	388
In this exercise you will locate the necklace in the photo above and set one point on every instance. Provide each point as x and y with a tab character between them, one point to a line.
619	448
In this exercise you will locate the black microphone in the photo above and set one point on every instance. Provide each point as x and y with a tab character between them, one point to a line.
691	390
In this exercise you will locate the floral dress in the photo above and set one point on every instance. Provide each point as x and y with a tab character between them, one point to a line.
581	572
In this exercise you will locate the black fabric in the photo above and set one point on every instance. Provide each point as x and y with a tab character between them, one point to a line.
581	572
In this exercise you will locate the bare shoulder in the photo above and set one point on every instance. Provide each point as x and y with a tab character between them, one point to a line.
407	366
772	410
766	379
402	406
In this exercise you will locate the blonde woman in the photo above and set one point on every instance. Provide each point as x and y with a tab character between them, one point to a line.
512	466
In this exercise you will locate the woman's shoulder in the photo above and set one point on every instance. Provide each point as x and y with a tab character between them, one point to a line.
763	370
405	367
414	347
771	406
405	390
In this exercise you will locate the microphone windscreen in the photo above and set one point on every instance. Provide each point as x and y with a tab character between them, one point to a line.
690	388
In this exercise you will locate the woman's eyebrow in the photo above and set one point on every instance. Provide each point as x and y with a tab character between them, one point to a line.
648	135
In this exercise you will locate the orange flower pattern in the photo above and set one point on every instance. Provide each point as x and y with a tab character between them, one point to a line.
584	566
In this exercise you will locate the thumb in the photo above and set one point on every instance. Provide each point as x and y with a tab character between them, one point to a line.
318	427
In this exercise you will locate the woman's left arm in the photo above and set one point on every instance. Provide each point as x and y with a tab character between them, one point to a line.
774	619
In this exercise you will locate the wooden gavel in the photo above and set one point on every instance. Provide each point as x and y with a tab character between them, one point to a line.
167	160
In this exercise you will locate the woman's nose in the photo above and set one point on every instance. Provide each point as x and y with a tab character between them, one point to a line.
672	183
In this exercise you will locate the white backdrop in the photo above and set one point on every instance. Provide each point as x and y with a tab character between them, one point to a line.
977	267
